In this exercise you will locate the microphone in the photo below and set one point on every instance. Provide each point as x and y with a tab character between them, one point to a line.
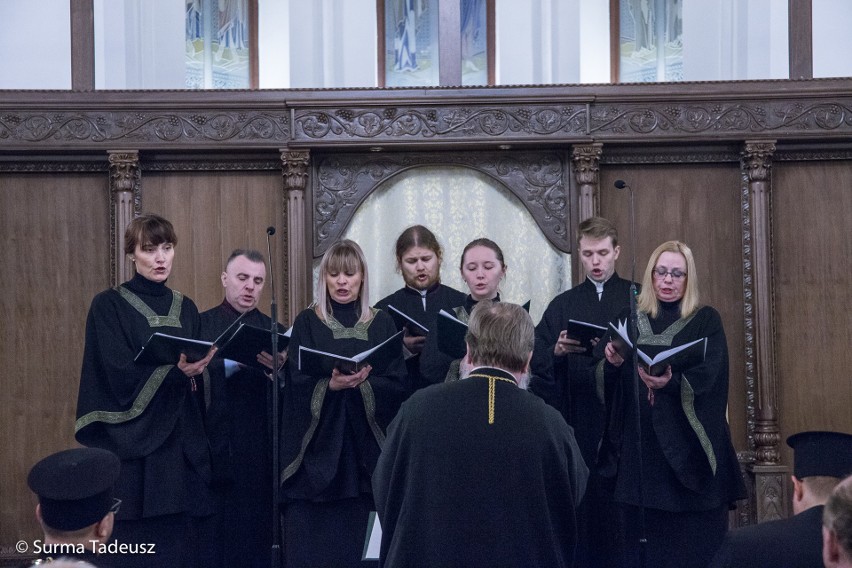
272	409
633	333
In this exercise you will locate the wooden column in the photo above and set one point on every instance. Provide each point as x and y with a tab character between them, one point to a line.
585	161
125	203
294	168
767	472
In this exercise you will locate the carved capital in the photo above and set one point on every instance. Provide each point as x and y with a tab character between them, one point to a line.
757	156
294	168
123	171
586	161
125	203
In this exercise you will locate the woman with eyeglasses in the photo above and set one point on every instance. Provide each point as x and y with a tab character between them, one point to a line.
672	468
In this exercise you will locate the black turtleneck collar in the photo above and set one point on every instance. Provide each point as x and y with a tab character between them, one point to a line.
669	312
141	285
469	302
347	314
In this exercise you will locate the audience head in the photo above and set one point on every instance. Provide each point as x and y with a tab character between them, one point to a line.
670	276
837	527
150	241
343	278
598	247
418	257
482	268
243	279
75	494
820	461
501	335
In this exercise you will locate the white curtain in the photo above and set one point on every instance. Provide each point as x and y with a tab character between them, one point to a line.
458	205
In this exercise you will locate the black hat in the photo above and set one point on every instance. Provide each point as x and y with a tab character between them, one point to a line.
821	453
74	487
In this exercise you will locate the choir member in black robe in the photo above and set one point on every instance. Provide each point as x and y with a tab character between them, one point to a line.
482	268
418	258
478	472
333	427
820	461
150	416
677	470
564	370
238	421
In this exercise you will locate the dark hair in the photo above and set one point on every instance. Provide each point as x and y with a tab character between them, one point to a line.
483	242
597	228
148	229
417	236
251	254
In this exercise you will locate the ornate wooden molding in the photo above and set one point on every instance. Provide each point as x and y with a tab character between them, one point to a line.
199	127
294	171
760	352
772	499
125	203
343	181
445	123
586	160
481	116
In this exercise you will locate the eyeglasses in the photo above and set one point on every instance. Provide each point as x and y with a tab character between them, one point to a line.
116	505
676	274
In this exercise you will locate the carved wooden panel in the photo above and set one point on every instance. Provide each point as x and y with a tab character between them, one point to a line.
341	182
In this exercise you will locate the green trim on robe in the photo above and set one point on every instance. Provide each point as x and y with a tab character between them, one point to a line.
358	331
687	401
317	399
138	407
369	398
172	319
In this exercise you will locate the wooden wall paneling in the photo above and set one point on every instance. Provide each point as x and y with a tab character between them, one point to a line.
214	213
812	208
55	258
698	204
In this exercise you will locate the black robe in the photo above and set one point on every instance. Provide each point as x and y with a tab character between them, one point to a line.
569	383
410	302
239	430
459	486
150	416
331	440
795	542
688	463
435	365
572	384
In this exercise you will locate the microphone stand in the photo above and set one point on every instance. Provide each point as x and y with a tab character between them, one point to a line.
275	551
633	334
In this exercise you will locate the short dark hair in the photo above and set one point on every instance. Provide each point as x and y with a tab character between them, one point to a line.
251	254
148	229
500	334
597	228
417	236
